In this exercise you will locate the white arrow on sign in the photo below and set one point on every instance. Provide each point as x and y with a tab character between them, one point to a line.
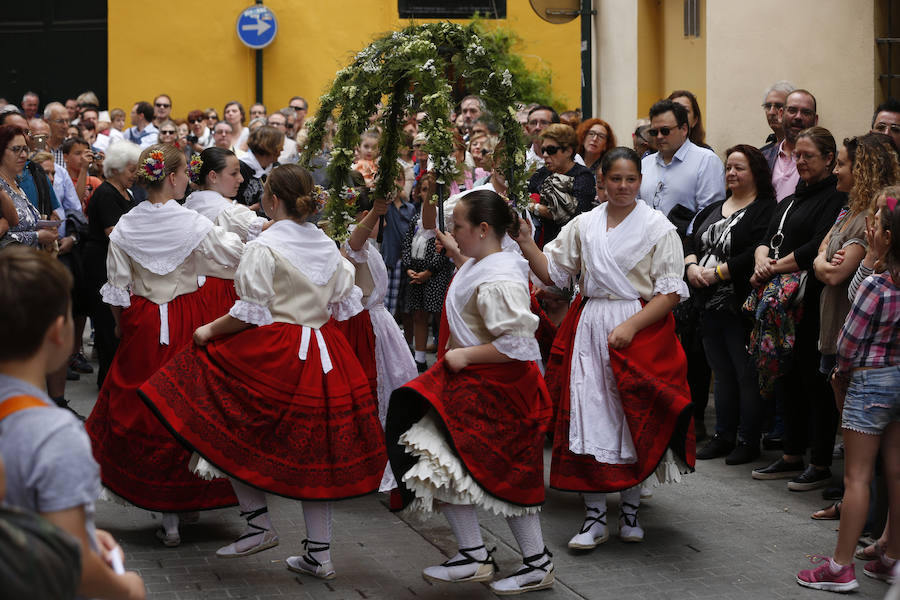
260	27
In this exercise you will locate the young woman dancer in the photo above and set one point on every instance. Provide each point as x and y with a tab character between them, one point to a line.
156	252
625	401
271	394
219	176
469	432
373	334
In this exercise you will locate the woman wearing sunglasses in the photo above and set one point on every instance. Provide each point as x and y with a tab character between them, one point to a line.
564	187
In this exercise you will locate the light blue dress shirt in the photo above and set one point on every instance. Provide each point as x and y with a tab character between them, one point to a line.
694	178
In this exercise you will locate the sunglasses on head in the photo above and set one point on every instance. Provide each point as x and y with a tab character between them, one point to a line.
663	130
551	150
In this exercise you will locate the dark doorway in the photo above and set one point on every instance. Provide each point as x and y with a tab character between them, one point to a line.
56	48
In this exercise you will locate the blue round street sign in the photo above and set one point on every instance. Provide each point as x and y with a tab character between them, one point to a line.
256	26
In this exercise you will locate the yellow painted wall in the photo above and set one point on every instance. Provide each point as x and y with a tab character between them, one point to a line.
193	53
650	43
684	62
667	60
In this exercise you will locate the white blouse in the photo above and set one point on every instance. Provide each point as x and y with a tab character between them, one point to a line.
657	272
226	213
272	289
218	254
499	313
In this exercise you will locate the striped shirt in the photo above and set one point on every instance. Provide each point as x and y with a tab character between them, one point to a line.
871	334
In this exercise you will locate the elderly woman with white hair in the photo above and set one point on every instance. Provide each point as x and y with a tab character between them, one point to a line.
110	200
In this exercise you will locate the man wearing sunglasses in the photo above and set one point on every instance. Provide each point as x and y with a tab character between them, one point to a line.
886	120
680	178
162	109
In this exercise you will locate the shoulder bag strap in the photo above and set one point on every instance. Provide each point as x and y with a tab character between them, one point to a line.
778	238
16	403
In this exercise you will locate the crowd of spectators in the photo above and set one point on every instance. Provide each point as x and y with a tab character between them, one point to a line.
777	239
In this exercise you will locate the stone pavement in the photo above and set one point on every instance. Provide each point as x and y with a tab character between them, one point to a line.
718	534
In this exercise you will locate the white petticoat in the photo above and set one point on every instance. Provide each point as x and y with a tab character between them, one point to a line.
439	475
670	470
204	469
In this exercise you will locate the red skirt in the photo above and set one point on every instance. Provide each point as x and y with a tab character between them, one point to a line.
546	330
358	331
651	375
139	458
495	416
256	411
217	296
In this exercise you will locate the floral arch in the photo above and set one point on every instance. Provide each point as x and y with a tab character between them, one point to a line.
413	69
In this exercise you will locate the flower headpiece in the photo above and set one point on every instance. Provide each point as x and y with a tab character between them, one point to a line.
154	166
349	195
891	203
194	168
321	196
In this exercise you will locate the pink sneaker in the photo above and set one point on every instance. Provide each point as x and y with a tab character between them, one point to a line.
876	569
822	578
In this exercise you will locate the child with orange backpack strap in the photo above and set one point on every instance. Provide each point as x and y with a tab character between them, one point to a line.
47	454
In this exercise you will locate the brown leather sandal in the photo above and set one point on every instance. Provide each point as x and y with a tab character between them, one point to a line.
829	513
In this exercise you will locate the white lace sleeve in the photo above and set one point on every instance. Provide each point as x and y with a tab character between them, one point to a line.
667	265
518	348
220	253
115	296
360	256
505	307
346	300
239	219
254	228
253	283
564	255
115	291
250	312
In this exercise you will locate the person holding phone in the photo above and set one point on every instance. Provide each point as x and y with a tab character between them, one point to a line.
19	216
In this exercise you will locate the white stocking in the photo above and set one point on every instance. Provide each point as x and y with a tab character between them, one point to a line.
317	516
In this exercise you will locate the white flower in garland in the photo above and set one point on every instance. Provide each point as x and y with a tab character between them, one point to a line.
507	78
429	66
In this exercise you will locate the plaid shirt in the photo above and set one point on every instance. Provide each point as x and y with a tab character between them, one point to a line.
871	334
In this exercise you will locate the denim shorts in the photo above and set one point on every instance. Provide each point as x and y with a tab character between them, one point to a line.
873	400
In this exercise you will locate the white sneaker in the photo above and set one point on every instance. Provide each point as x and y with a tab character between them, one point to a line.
467	568
593	531
531	577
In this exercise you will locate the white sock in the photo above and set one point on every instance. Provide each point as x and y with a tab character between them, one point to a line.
317	516
527	531
170	523
630	496
463	520
598	503
833	566
251	499
420	356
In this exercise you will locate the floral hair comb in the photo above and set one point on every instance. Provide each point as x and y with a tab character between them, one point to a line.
321	195
154	166
194	168
891	203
